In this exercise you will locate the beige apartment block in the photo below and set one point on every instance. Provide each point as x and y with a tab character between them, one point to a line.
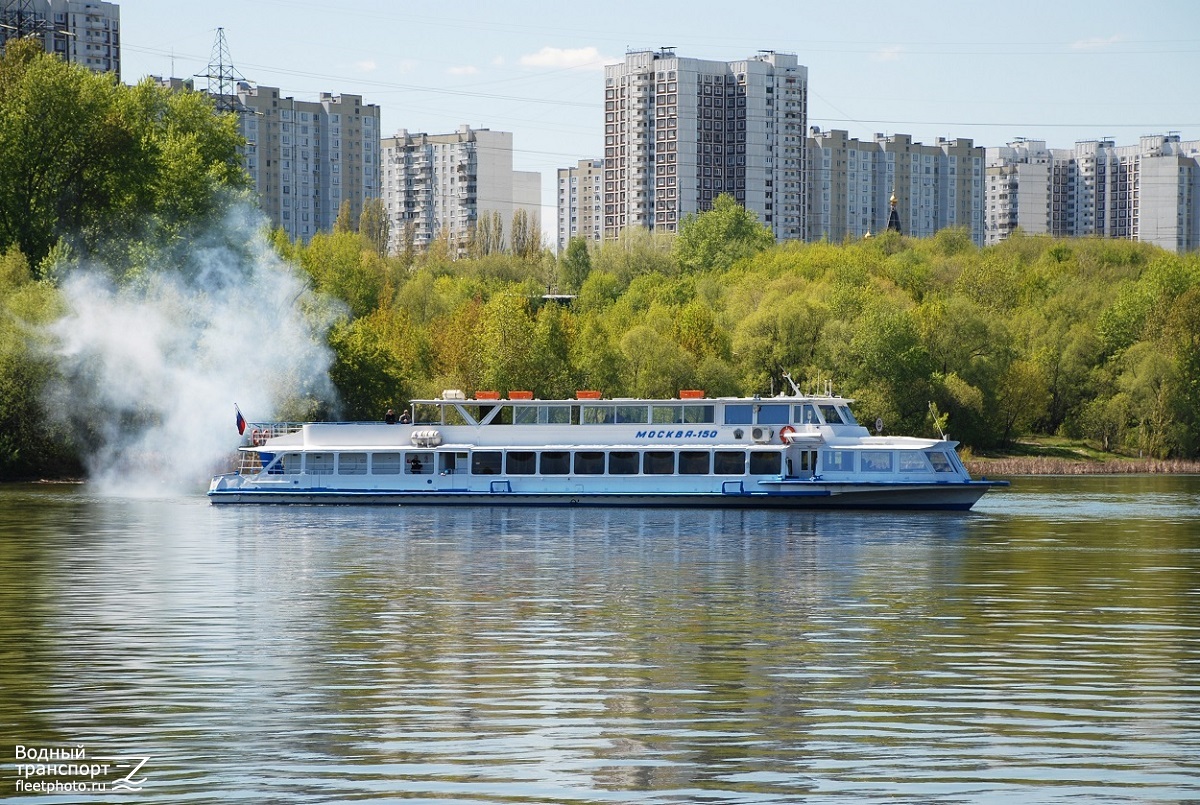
580	202
306	158
851	183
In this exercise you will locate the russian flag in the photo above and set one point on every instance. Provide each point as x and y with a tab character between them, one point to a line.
241	420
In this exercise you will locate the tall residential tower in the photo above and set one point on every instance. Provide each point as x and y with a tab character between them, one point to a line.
679	132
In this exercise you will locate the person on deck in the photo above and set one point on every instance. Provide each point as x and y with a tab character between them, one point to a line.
390	417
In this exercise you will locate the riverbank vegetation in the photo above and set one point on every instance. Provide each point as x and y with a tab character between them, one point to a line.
1091	340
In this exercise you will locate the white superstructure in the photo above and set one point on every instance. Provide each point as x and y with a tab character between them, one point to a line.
790	451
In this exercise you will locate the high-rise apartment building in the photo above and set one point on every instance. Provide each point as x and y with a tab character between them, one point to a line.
581	202
1148	192
444	184
851	183
307	157
86	32
679	132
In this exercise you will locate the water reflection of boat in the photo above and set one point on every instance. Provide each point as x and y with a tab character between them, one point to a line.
793	451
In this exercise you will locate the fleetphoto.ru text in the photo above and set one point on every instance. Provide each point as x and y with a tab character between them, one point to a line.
69	769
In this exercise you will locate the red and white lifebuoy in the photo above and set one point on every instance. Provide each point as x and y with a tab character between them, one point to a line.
785	432
258	437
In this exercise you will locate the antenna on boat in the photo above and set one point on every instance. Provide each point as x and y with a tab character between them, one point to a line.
795	389
933	413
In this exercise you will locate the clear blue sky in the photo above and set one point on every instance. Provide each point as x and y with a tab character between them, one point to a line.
1057	70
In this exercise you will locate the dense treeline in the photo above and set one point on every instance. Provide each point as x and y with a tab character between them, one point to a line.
1092	339
96	172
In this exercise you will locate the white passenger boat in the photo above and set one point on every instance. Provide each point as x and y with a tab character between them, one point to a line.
791	451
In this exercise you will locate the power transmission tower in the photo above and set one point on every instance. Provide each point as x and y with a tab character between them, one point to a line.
222	76
18	19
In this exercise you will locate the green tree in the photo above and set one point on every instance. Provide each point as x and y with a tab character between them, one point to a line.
375	226
719	237
29	445
655	366
575	265
553	339
526	237
84	157
1022	396
341	267
380	361
505	336
345	218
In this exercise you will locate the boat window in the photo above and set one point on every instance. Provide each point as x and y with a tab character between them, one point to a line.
385	464
555	414
666	414
485	462
525	414
806	414
693	462
774	414
940	461
631	413
837	460
418	463
831	415
729	462
589	463
658	462
318	463
501	415
847	417
453	415
556	462
352	464
427	414
478	412
877	461
910	461
622	462
596	414
698	414
521	462
450	463
765	462
738	414
290	463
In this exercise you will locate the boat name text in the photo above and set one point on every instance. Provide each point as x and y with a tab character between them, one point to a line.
675	434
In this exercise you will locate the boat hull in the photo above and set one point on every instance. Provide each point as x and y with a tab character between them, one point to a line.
923	497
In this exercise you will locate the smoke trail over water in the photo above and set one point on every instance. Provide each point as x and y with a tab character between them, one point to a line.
151	369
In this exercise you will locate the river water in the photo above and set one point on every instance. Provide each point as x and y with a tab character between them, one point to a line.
1043	648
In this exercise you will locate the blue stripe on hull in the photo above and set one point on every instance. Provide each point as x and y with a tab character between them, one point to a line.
946	498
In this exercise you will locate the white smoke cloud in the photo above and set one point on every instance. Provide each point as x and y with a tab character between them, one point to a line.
151	369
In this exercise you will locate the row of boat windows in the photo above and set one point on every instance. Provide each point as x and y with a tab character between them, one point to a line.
634	414
614	462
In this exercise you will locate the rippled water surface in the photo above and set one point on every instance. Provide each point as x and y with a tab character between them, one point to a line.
1044	648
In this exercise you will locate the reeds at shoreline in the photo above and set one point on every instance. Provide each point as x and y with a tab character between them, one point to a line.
1048	465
